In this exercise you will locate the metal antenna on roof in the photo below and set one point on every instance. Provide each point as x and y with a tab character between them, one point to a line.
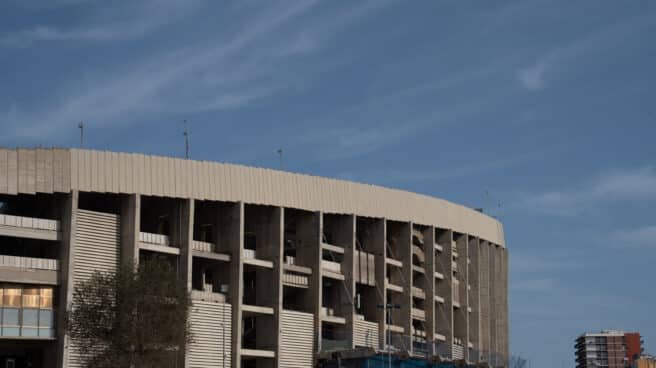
280	154
186	135
81	126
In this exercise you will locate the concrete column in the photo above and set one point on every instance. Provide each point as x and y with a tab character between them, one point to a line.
429	252
484	298
269	232
405	256
444	319
506	313
461	316
474	296
66	256
234	238
493	302
346	236
186	236
380	267
318	283
130	228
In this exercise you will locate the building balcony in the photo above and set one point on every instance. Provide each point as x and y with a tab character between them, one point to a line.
393	262
332	269
157	243
418	314
29	270
257	353
418	293
393	287
208	296
328	315
294	280
395	328
207	250
332	248
30	227
250	258
248	309
419	269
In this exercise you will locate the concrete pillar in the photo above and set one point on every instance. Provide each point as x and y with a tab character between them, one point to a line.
474	296
233	235
66	256
379	231
484	298
494	310
444	319
130	228
185	237
461	316
506	313
429	252
404	317
269	232
346	236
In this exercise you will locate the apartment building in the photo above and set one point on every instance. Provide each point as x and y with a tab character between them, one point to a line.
608	348
281	267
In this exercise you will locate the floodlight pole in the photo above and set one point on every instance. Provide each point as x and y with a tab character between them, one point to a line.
81	126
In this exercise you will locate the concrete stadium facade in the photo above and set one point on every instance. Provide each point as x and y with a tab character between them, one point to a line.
281	267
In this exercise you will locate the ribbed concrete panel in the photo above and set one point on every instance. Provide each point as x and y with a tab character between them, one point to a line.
296	339
365	334
211	334
12	172
97	244
62	172
43	170
484	295
96	249
87	170
26	171
4	172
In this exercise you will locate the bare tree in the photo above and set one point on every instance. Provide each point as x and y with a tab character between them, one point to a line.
131	318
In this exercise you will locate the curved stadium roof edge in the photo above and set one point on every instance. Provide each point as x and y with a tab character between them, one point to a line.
48	170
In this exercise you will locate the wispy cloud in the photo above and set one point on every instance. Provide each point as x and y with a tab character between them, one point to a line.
615	185
187	80
641	237
396	177
534	76
122	23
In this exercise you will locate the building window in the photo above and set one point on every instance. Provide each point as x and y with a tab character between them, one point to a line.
26	311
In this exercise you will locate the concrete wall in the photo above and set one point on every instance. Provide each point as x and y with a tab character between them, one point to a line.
63	170
481	318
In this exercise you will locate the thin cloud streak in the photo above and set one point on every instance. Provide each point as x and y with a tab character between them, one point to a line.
137	22
642	237
615	185
534	77
177	82
398	177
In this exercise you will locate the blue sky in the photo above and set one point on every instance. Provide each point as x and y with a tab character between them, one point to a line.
546	106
